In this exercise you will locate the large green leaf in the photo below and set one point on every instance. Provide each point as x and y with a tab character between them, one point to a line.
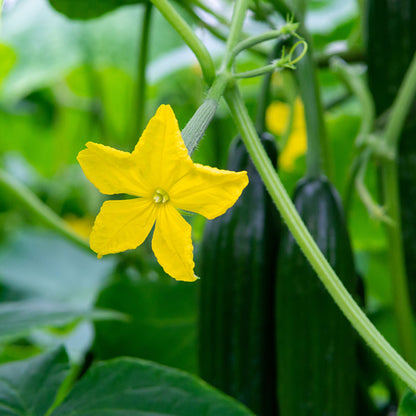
19	318
137	388
88	9
42	265
29	387
407	405
162	324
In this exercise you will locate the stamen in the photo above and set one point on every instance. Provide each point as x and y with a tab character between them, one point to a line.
160	196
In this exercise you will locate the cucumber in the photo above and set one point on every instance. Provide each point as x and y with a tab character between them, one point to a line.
316	345
391	44
237	269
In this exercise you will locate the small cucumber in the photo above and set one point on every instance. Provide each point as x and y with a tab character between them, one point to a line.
236	333
316	345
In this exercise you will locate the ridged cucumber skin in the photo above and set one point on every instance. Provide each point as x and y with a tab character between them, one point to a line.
237	269
316	345
391	45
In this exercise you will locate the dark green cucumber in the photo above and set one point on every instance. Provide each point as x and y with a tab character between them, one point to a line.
316	345
391	45
237	269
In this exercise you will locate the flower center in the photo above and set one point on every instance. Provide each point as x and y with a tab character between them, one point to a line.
160	196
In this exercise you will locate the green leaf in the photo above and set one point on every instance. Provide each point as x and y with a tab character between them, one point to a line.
19	318
407	405
88	9
29	387
136	388
40	264
162	324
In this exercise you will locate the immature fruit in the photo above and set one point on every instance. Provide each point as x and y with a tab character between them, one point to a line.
316	360
236	334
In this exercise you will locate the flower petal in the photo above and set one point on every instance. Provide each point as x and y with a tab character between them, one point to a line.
278	117
208	191
172	244
160	154
111	171
122	225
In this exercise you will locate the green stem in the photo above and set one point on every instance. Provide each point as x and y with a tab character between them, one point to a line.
94	82
189	37
205	8
141	73
351	180
212	29
359	88
254	40
398	275
285	61
264	96
257	72
361	91
401	107
350	56
239	14
260	52
327	275
26	198
263	102
318	158
197	125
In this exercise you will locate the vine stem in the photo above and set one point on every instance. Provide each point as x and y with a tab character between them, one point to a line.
318	155
220	18
318	261
273	34
390	181
401	107
264	96
33	204
239	14
195	128
189	37
398	277
359	88
140	103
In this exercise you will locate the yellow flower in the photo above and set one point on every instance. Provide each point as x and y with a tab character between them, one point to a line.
161	174
277	119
